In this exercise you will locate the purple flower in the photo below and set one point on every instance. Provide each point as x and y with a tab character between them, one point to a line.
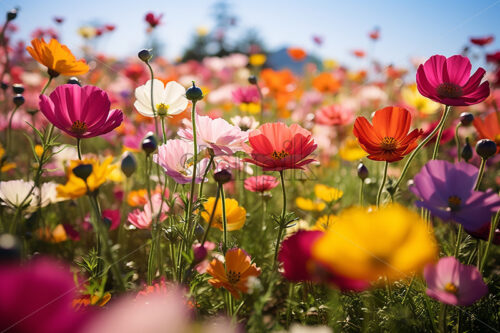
451	282
447	190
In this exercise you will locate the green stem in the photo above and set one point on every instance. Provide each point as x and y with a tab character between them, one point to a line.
195	161
480	174
261	99
152	100
442	318
9	130
440	134
46	85
381	187
457	141
79	148
459	240
491	236
224	219
361	188
164	131
421	144
408	289
210	220
200	190
282	223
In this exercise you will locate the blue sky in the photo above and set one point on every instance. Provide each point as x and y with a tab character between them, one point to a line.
419	28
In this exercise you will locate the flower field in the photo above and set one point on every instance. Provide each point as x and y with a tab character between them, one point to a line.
226	192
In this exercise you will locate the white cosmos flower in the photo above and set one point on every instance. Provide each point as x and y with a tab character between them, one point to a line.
14	192
168	100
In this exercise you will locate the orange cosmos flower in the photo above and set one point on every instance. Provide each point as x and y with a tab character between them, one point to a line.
325	82
57	58
234	276
296	53
489	128
388	138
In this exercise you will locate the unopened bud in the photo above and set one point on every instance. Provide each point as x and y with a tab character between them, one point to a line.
145	55
467	151
362	171
18	100
194	93
18	88
129	164
466	118
149	143
83	171
486	148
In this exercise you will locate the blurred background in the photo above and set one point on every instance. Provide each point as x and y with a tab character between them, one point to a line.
340	30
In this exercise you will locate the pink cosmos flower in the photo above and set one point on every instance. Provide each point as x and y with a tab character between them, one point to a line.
82	112
261	183
37	297
216	134
448	81
142	219
453	283
175	158
334	115
248	94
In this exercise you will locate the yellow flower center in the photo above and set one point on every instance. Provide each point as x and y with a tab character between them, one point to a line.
233	277
279	155
388	143
449	90
162	109
79	127
451	288
454	203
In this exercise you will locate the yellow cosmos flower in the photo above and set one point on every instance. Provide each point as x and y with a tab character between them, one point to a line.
6	166
326	193
309	205
235	214
57	58
391	241
57	235
412	97
351	151
257	59
329	64
325	222
252	108
75	187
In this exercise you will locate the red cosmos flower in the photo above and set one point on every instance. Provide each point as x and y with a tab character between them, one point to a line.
277	147
388	138
448	81
153	20
261	184
82	112
374	34
482	41
489	128
493	57
296	53
359	53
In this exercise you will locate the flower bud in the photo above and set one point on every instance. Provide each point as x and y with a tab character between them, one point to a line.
362	171
4	86
466	118
466	151
10	248
199	231
83	171
200	253
149	143
129	164
74	80
18	88
18	100
194	93
223	176
11	14
252	79
486	148
145	55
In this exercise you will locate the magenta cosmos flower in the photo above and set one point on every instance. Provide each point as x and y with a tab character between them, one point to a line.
453	283
37	297
216	134
447	190
261	183
82	112
299	265
448	81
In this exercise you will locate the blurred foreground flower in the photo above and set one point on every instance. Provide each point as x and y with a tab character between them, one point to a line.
453	283
234	273
366	245
57	58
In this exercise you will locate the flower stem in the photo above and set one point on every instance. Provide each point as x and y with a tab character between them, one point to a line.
442	318
440	133
9	129
205	235
152	100
200	189
195	161
480	174
491	236
79	148
282	223
361	188
419	147
381	187
459	240
164	132
224	219
457	141
46	85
